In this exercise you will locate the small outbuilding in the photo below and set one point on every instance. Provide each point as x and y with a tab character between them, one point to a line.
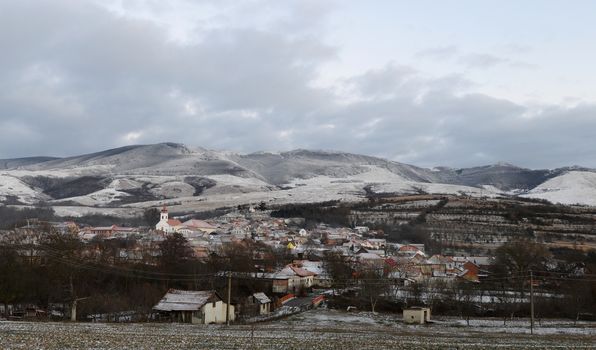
198	307
264	303
417	315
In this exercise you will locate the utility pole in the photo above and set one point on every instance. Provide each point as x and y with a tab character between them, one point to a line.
531	303
229	298
73	308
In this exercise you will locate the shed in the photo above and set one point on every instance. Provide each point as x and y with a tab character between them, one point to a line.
189	306
264	303
417	315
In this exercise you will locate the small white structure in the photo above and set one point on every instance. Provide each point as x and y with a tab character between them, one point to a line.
417	315
264	303
197	307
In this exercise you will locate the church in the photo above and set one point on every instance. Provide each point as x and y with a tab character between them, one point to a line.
166	224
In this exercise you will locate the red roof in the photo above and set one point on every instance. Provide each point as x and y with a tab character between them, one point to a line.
302	272
174	222
198	224
391	262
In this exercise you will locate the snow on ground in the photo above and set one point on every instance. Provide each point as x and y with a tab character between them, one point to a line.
11	186
319	328
99	198
457	189
231	180
232	190
125	184
379	178
570	188
173	189
544	327
230	184
64	172
78	211
573	187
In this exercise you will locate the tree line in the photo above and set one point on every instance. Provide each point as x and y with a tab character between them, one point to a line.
48	269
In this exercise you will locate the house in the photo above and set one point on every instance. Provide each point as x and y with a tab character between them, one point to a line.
416	315
470	272
264	303
290	279
285	281
321	277
197	307
198	225
307	278
166	224
371	260
284	284
105	232
411	250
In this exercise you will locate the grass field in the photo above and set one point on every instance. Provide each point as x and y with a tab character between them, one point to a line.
316	329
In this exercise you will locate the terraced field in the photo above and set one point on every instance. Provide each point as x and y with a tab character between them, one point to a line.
316	329
484	223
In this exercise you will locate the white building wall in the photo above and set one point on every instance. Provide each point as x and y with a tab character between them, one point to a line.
265	309
308	281
217	313
164	226
417	315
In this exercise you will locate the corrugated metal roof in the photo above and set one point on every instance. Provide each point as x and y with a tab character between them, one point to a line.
184	300
262	298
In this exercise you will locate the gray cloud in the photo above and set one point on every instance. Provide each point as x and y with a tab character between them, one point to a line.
481	60
77	78
476	60
486	61
439	53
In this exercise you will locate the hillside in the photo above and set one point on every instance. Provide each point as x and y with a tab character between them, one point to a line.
194	178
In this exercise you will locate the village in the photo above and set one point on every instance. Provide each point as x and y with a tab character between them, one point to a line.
294	269
298	285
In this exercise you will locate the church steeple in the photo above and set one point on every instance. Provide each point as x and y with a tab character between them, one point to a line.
164	214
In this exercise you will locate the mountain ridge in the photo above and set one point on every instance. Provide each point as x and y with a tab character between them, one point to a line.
173	170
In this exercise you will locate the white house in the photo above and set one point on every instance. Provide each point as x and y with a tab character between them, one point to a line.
197	307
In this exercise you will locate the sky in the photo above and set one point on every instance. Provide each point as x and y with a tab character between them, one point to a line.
454	83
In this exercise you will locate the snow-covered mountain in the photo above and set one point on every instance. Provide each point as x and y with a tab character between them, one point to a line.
196	178
573	187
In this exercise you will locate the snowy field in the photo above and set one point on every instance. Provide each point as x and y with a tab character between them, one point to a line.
316	329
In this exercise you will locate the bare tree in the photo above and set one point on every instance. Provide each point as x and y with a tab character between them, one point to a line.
517	258
373	286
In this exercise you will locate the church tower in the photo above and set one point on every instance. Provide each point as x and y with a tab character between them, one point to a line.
164	214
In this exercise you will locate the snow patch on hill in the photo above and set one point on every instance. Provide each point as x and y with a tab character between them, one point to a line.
99	198
10	186
570	188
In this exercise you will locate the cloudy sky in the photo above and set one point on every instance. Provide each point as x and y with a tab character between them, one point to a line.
457	83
